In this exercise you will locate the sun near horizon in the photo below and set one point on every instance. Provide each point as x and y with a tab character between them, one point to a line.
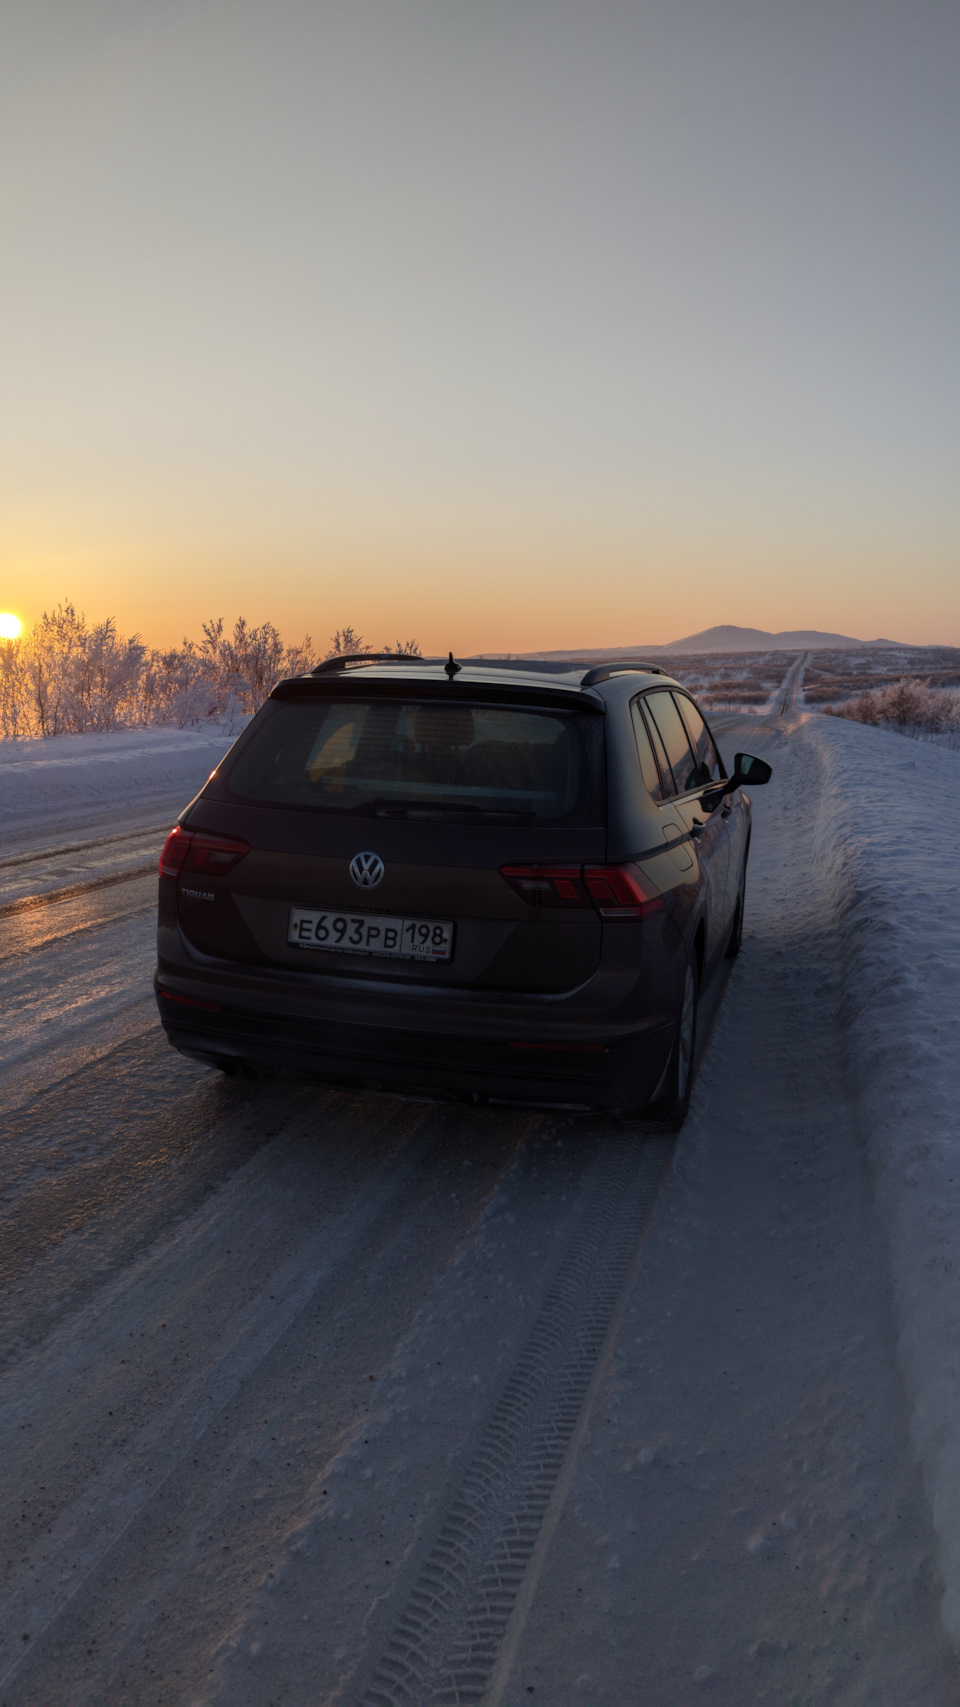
11	627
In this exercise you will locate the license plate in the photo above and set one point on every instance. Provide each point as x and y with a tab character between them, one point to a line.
371	933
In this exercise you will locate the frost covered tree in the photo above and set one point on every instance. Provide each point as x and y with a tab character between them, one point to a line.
247	664
178	687
78	679
52	650
346	642
14	719
106	675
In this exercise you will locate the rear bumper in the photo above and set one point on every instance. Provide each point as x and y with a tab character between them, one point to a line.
619	1073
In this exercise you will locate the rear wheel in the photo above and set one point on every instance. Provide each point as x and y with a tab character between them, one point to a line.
676	1098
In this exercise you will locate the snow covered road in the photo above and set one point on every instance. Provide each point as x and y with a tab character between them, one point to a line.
261	1344
787	694
81	787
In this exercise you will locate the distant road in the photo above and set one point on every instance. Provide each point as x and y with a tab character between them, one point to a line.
786	699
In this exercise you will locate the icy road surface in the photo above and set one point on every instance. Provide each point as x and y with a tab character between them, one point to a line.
309	1397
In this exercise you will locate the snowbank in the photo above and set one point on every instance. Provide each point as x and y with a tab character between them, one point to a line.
888	831
85	783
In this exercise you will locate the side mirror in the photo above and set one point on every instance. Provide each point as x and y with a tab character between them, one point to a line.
746	769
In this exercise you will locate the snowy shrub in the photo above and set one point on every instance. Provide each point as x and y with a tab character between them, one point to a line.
910	706
67	677
718	693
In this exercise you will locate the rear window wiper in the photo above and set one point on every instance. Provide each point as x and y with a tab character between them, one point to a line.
390	809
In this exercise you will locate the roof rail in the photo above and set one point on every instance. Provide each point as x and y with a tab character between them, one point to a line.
340	660
603	672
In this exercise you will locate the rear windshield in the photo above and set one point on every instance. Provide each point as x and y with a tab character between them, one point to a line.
393	758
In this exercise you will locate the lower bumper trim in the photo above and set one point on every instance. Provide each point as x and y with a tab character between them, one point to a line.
619	1075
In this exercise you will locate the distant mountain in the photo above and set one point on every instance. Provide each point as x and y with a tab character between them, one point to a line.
728	638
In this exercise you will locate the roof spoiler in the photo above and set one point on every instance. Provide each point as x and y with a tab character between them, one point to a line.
603	672
340	660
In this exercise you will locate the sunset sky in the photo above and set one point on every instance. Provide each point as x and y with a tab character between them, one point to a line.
502	323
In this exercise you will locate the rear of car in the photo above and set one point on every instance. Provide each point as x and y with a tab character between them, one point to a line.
402	881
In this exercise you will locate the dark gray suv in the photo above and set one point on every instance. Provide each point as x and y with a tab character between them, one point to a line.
493	881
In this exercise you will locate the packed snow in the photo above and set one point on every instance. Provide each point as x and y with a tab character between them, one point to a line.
742	1517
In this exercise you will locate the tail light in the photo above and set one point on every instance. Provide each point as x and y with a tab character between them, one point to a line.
616	891
194	850
547	885
622	892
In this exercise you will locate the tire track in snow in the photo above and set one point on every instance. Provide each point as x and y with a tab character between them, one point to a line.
61	850
70	891
445	1644
81	914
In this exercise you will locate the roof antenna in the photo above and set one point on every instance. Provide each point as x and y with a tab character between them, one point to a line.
452	667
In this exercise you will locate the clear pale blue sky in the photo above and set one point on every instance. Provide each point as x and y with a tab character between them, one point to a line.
501	324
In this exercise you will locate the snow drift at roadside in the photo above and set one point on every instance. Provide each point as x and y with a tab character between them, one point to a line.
888	832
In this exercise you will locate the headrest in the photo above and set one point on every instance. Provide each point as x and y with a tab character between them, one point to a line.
444	726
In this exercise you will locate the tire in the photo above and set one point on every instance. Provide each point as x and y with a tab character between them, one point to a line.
736	933
683	1058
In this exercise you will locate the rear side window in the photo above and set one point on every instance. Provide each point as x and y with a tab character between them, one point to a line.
667	784
676	743
649	768
384	757
708	759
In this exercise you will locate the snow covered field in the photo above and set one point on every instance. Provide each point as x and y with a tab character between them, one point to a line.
732	681
254	1338
835	675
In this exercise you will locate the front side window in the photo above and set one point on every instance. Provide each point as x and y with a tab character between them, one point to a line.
662	708
386	757
705	753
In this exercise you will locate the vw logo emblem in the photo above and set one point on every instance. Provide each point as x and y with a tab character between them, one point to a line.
366	869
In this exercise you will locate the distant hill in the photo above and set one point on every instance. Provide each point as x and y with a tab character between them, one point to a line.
728	638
